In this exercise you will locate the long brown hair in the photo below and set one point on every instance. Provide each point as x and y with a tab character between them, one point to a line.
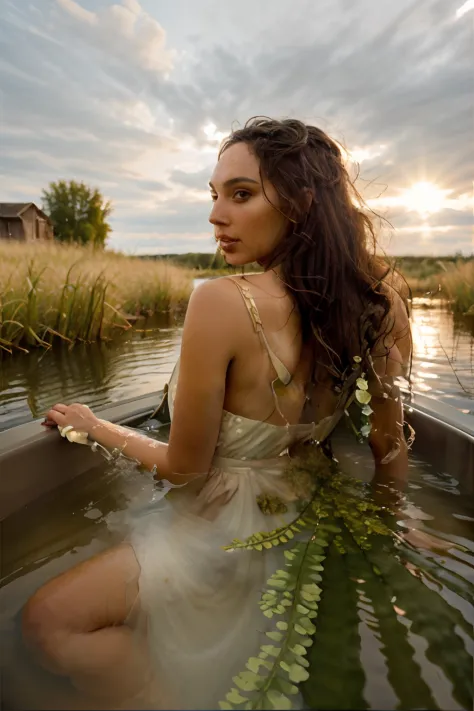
328	259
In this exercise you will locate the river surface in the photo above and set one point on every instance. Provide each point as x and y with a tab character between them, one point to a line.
394	624
142	360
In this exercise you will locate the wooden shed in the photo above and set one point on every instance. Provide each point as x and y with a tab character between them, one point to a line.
24	221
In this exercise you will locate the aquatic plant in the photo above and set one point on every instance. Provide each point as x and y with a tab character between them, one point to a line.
55	292
331	503
342	555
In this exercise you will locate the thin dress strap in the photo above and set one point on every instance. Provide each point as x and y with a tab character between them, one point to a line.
283	374
281	370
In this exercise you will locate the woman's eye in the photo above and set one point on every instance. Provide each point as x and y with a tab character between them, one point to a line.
213	197
241	194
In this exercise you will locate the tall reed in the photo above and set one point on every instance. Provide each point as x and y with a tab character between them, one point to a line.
458	282
51	292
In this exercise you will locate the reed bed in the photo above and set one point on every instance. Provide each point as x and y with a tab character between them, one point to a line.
458	283
453	282
53	292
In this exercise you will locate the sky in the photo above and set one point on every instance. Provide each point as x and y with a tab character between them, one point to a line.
134	96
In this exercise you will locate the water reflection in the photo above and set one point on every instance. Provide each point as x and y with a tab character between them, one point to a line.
138	363
443	355
141	362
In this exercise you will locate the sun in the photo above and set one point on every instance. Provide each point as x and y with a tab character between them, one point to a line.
424	198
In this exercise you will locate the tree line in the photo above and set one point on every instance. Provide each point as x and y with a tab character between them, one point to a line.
78	213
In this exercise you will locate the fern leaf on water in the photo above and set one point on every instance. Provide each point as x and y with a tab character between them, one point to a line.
336	515
291	597
293	592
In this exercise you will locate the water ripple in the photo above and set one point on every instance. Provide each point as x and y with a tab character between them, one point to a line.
141	362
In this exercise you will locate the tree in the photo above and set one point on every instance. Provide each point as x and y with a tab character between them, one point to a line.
78	213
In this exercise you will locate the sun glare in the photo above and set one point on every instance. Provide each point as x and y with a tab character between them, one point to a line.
212	133
361	154
468	5
424	198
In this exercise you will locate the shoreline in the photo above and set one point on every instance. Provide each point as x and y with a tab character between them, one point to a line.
52	292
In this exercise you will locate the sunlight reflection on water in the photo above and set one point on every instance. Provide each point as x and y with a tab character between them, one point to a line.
443	356
141	363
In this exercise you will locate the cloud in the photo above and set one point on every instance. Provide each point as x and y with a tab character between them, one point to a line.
198	180
119	93
468	5
123	31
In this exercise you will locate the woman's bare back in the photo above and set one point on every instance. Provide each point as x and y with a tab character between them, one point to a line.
250	373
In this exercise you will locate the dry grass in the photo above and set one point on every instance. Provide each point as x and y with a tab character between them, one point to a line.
458	283
450	279
50	291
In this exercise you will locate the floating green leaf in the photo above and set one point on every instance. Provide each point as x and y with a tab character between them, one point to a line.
233	697
302	609
247	681
270	649
298	649
253	664
297	674
278	700
363	396
286	686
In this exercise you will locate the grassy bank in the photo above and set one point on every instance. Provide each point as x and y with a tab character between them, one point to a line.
51	292
458	283
449	278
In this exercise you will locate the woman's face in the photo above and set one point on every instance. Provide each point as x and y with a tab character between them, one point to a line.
246	225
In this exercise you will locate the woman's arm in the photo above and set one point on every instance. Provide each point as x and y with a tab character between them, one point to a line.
391	358
209	343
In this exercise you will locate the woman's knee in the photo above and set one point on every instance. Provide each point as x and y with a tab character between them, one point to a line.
98	593
43	630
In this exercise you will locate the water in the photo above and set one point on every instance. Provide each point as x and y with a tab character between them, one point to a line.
138	363
141	362
443	355
402	641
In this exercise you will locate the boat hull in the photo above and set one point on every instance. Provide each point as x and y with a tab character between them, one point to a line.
33	461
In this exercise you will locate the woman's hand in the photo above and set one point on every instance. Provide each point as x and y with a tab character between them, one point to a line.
78	416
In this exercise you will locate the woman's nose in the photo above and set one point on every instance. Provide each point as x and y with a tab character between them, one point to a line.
218	216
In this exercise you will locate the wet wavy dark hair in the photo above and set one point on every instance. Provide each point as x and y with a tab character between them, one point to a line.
328	259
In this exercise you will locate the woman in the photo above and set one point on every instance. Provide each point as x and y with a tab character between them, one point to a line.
168	617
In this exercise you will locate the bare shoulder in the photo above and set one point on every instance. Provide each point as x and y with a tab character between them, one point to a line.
213	291
215	303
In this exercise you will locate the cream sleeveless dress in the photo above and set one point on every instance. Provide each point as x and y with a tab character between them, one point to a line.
200	602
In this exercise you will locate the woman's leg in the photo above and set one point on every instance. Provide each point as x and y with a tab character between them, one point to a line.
75	625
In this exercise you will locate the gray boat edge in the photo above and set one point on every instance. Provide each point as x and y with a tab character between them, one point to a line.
34	461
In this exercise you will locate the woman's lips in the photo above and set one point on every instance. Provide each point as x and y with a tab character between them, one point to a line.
226	243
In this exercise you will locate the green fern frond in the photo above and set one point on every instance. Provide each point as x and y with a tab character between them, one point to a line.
271	678
333	504
259	541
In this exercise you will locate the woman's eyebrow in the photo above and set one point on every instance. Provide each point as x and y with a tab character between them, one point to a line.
233	181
